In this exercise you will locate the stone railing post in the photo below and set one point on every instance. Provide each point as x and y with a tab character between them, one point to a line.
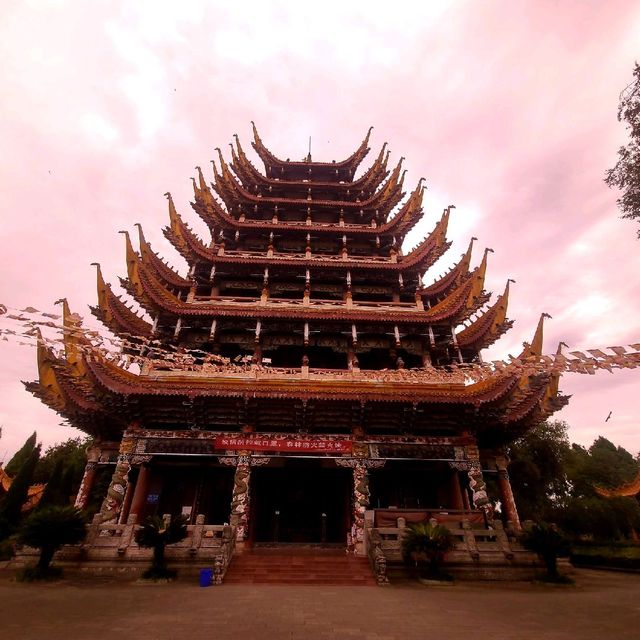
470	539
197	533
126	538
502	539
377	558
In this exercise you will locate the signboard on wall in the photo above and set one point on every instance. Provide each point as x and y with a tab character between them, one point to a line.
290	445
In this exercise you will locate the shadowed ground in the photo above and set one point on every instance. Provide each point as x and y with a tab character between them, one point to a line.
603	605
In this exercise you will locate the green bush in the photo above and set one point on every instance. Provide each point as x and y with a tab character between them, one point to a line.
6	549
549	543
49	529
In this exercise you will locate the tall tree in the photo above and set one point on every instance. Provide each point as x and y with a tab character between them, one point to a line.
537	469
16	496
54	490
626	173
73	454
21	456
586	513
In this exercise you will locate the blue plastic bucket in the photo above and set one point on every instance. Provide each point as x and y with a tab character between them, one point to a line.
206	577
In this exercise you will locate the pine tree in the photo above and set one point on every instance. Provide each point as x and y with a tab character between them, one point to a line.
16	496
50	529
53	493
21	456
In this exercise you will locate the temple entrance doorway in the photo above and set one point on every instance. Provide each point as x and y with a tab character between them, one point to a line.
189	489
409	484
300	501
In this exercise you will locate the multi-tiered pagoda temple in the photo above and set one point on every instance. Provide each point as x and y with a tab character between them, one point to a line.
302	374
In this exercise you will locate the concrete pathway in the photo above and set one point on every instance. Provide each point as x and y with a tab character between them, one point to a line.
603	605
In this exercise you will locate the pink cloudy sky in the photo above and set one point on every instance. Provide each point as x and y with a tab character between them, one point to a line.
507	108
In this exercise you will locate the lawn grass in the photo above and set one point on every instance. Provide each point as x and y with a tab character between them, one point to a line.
616	555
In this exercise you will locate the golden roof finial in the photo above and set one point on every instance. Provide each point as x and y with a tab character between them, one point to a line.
201	180
466	256
72	334
173	214
535	348
132	263
144	245
65	309
256	135
366	139
101	286
505	294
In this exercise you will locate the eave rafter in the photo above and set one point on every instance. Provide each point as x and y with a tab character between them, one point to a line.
115	314
153	261
488	327
63	383
537	395
452	278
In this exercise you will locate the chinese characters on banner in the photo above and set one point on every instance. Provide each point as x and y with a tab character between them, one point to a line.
283	444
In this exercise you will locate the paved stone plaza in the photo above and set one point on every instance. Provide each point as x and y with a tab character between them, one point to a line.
603	605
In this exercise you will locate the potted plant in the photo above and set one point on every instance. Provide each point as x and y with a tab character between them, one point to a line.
156	533
424	546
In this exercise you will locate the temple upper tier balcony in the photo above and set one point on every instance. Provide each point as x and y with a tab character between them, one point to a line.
420	376
314	303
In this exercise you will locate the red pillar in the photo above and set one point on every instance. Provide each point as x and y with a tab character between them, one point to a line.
508	500
126	505
456	491
140	494
82	499
88	479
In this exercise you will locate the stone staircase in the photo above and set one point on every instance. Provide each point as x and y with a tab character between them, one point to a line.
299	566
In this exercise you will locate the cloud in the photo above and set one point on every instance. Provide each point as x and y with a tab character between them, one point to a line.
508	110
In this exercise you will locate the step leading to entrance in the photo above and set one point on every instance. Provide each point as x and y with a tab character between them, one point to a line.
303	566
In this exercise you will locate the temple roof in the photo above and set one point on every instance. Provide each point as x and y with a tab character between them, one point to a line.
419	259
371	287
307	167
100	397
398	224
366	183
235	196
149	291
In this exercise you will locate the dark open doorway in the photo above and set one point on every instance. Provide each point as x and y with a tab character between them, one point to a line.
301	501
407	484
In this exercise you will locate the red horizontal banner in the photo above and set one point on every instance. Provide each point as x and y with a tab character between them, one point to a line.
284	444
